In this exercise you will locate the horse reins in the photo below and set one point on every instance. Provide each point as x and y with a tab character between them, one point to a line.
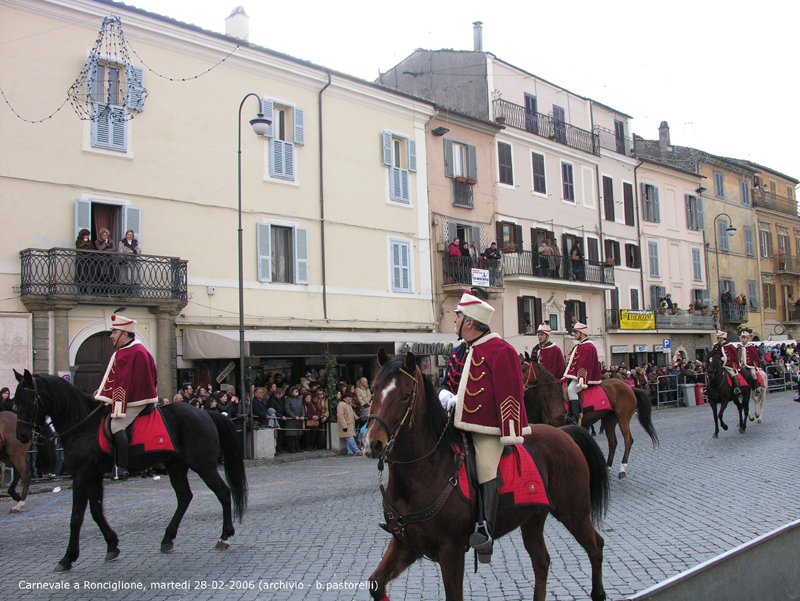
37	401
526	384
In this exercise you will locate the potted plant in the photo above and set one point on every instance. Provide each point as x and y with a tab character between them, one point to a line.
715	310
703	309
662	310
510	249
500	120
610	262
461	180
690	309
675	309
471	181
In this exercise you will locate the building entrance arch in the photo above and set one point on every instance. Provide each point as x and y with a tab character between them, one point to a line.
91	361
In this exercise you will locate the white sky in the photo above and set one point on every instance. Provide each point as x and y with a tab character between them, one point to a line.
723	74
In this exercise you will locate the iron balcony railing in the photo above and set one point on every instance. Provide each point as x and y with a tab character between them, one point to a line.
612	319
771	200
457	270
786	263
734	312
462	194
791	313
557	267
545	126
610	140
70	272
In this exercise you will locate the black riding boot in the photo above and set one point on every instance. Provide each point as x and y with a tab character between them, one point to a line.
121	454
574	415
481	539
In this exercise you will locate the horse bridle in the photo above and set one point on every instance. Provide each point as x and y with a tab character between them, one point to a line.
392	432
37	402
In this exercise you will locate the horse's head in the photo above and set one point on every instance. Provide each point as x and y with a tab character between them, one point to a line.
393	394
30	413
529	372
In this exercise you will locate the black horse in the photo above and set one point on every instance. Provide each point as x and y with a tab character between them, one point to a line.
198	436
720	393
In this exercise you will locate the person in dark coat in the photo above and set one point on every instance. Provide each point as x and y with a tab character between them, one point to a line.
293	410
259	410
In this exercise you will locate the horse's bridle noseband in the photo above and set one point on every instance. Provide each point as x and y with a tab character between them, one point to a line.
392	432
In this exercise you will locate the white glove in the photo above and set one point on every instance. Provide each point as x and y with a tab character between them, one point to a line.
447	399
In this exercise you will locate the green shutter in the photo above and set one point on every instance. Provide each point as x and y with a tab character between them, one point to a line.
264	248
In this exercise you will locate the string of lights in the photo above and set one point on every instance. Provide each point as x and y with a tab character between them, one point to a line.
20	117
181	78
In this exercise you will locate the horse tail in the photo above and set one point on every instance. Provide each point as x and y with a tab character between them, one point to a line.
233	459
644	409
598	472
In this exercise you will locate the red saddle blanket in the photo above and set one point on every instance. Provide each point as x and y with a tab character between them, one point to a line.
150	434
594	399
521	480
741	380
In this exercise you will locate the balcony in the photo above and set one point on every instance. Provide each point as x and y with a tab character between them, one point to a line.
786	264
515	115
791	314
608	139
668	320
734	313
462	193
765	199
557	267
102	277
458	271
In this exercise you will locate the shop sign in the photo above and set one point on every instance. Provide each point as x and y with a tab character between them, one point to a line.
224	373
277	364
636	320
640	348
658	349
426	348
620	349
480	277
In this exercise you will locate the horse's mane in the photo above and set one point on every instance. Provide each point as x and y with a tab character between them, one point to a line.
62	400
436	417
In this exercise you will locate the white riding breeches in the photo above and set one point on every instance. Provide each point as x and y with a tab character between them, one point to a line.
572	390
488	450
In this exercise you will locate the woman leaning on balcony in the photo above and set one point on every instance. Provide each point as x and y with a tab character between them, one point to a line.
83	261
129	273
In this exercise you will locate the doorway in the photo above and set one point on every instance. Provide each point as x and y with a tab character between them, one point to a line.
92	360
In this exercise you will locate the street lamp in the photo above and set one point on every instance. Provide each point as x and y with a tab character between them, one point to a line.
260	127
729	231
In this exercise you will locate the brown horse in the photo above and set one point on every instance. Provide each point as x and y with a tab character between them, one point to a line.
544	403
14	453
409	430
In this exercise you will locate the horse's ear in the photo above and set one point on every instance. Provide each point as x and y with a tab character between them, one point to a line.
527	356
28	376
410	363
18	376
383	358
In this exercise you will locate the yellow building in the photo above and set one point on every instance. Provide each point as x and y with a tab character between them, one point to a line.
334	206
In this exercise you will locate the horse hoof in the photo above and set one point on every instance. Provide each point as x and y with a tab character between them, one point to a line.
13	510
61	568
112	555
622	475
716	435
166	547
724	427
758	421
222	545
751	417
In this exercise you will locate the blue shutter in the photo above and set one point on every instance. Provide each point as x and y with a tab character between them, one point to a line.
264	249
653	252
405	269
83	215
132	220
645	213
697	273
399	184
135	78
412	156
405	196
119	128
749	249
401	272
301	255
656	209
698	216
269	113
449	166
281	159
101	126
288	161
472	163
299	127
92	82
752	294
387	148
722	228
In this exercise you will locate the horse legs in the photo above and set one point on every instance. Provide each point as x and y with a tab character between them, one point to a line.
580	526
21	472
96	509
214	481
625	428
722	407
79	499
179	478
396	559
609	425
533	538
451	562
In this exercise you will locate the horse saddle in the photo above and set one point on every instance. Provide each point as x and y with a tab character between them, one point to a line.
147	433
592	399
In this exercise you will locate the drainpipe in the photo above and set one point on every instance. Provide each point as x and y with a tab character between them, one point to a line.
602	237
322	203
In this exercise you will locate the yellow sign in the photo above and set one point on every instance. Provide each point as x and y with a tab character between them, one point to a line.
636	320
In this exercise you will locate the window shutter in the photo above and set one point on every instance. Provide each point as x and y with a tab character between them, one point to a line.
93	81
449	163
472	164
690	222
276	158
476	236
132	220
698	215
607	249
498	230
582	312
645	214
83	215
267	108
521	315
288	160
654	297
264	244
748	242
452	232
627	196
101	126
118	126
299	127
387	148
614	294
401	281
412	156
568	316
518	237
135	78
537	313
752	295
617	257
656	209
301	255
405	259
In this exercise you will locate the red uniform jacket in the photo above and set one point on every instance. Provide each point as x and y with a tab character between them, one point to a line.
130	379
730	356
749	356
551	358
489	398
584	366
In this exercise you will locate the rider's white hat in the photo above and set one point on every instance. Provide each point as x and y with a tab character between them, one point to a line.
475	308
721	334
120	322
543	327
581	327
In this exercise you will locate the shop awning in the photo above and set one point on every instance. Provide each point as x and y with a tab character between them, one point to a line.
224	344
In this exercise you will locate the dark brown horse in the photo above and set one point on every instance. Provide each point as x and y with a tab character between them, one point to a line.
720	393
411	432
14	453
544	403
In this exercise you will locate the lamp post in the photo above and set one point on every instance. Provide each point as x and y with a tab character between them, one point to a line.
260	127
730	230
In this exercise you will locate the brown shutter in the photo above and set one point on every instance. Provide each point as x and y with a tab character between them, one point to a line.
537	313
518	237
498	230
521	314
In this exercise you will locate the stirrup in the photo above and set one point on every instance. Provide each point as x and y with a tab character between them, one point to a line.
120	473
481	540
737	391
384	526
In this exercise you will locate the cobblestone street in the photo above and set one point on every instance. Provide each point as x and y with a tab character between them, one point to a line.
311	528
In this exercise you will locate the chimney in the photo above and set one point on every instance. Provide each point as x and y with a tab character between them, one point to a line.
663	138
237	25
477	36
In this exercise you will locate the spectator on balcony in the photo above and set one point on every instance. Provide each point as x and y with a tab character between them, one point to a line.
83	265
492	252
454	251
129	246
545	252
668	300
555	259
576	259
103	242
726	297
